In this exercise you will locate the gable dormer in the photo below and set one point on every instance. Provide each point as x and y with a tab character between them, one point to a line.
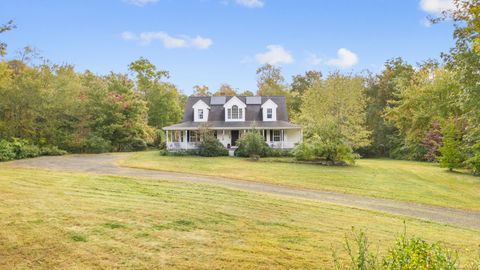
200	111
269	111
235	110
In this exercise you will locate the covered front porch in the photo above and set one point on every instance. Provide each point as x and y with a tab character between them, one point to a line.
190	138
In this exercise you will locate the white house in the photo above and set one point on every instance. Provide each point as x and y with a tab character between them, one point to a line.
230	117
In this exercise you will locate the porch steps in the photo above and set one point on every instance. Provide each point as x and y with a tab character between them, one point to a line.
231	152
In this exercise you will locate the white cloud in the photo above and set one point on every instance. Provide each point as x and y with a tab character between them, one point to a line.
275	54
140	3
436	6
201	42
128	35
313	59
251	3
345	59
168	41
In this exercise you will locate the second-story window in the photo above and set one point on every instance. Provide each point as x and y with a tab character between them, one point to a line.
200	113
234	112
269	113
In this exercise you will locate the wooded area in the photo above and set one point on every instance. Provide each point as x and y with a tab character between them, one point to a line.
427	112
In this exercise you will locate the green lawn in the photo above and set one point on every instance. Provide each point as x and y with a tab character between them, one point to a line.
392	179
52	220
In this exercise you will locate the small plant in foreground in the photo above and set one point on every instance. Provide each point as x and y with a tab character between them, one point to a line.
406	254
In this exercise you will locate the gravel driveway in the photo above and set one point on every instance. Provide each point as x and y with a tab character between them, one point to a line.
107	164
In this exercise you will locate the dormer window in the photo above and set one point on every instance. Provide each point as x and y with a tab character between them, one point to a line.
269	110
235	113
200	111
235	110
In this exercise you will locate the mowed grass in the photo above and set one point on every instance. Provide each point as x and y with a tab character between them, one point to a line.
51	220
392	179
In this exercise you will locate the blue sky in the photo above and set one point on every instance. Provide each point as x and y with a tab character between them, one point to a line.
223	41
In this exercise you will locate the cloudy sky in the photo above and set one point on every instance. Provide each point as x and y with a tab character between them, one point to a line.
223	41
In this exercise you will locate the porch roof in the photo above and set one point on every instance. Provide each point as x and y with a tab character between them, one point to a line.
222	125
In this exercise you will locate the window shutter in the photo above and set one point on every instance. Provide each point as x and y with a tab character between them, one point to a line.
271	134
188	135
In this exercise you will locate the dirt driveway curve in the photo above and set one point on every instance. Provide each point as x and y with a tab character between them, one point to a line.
107	164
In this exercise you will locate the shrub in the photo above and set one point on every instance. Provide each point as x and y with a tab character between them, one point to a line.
96	144
252	145
52	151
211	147
305	152
190	152
24	149
415	253
272	152
406	254
331	151
7	151
137	144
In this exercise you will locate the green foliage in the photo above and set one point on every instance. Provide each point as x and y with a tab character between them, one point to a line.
7	151
50	150
335	107
211	147
380	91
451	151
329	151
474	161
179	153
3	28
416	253
96	144
359	254
270	81
251	144
23	149
406	254
300	84
137	144
430	96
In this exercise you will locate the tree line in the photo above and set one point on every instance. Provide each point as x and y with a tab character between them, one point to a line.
428	111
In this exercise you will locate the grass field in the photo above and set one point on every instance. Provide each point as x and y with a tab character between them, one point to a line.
75	221
392	179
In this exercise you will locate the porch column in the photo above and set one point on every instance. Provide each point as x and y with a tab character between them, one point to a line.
166	136
281	136
185	140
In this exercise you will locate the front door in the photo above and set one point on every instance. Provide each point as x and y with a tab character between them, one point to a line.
234	135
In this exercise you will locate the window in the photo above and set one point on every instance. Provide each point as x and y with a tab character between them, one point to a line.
193	136
177	136
234	112
269	113
200	113
276	135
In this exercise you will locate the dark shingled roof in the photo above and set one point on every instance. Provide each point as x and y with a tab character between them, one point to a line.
233	125
216	116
